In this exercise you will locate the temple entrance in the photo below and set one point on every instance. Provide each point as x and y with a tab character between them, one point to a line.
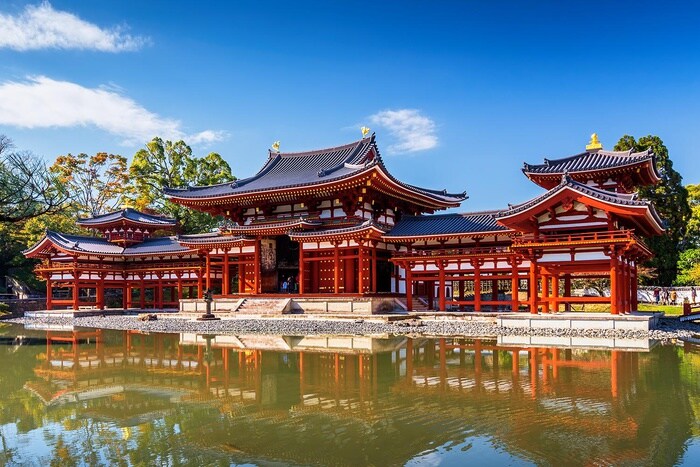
384	271
280	265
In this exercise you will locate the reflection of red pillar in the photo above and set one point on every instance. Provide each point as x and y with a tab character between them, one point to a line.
477	363
409	360
555	364
533	372
443	363
614	361
301	375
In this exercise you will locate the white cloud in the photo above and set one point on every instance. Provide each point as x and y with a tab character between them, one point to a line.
41	102
412	130
42	27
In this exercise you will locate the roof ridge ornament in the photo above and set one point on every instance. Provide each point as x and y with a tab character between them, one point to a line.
594	144
365	131
276	147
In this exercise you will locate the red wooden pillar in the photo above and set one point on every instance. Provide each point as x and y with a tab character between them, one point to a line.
179	287
409	287
100	292
374	268
441	286
614	301
241	275
315	280
142	296
158	294
567	290
545	293
336	268
207	273
256	265
514	286
129	296
477	286
430	290
200	283
461	294
633	288
555	293
49	293
301	269
76	292
361	269
226	283
533	286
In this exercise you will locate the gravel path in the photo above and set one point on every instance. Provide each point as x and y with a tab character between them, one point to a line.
669	328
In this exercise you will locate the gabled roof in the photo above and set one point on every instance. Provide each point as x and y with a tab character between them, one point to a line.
127	216
100	246
591	162
444	225
639	207
368	228
302	169
213	238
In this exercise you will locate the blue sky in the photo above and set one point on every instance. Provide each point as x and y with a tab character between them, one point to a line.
460	93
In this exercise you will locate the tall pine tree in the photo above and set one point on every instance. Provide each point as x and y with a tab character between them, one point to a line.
670	198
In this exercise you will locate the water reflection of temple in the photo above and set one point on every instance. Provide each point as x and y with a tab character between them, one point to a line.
358	399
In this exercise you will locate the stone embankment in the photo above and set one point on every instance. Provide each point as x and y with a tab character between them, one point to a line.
668	329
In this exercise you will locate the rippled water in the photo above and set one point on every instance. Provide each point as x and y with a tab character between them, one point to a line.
116	398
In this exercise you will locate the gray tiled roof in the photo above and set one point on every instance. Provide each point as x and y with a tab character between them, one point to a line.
342	230
211	237
626	199
587	161
288	170
446	224
128	214
97	245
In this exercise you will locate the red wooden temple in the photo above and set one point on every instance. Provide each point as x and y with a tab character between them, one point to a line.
335	222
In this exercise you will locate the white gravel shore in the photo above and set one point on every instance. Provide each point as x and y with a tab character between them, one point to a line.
668	329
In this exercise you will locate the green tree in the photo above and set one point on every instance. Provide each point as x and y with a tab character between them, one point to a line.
671	201
689	267
166	164
27	188
693	234
97	184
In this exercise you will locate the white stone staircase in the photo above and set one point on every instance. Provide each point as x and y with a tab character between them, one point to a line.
264	306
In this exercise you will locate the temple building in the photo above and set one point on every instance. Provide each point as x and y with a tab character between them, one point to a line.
336	223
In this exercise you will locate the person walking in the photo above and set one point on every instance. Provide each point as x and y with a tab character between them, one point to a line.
657	295
674	296
693	295
285	285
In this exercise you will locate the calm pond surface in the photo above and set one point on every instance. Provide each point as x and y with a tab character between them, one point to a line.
123	398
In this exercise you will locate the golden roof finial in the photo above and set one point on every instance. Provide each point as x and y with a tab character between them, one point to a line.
365	131
276	146
594	144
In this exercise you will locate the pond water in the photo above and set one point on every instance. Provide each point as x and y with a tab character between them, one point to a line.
87	397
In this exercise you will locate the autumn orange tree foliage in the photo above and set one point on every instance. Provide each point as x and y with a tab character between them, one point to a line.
97	184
